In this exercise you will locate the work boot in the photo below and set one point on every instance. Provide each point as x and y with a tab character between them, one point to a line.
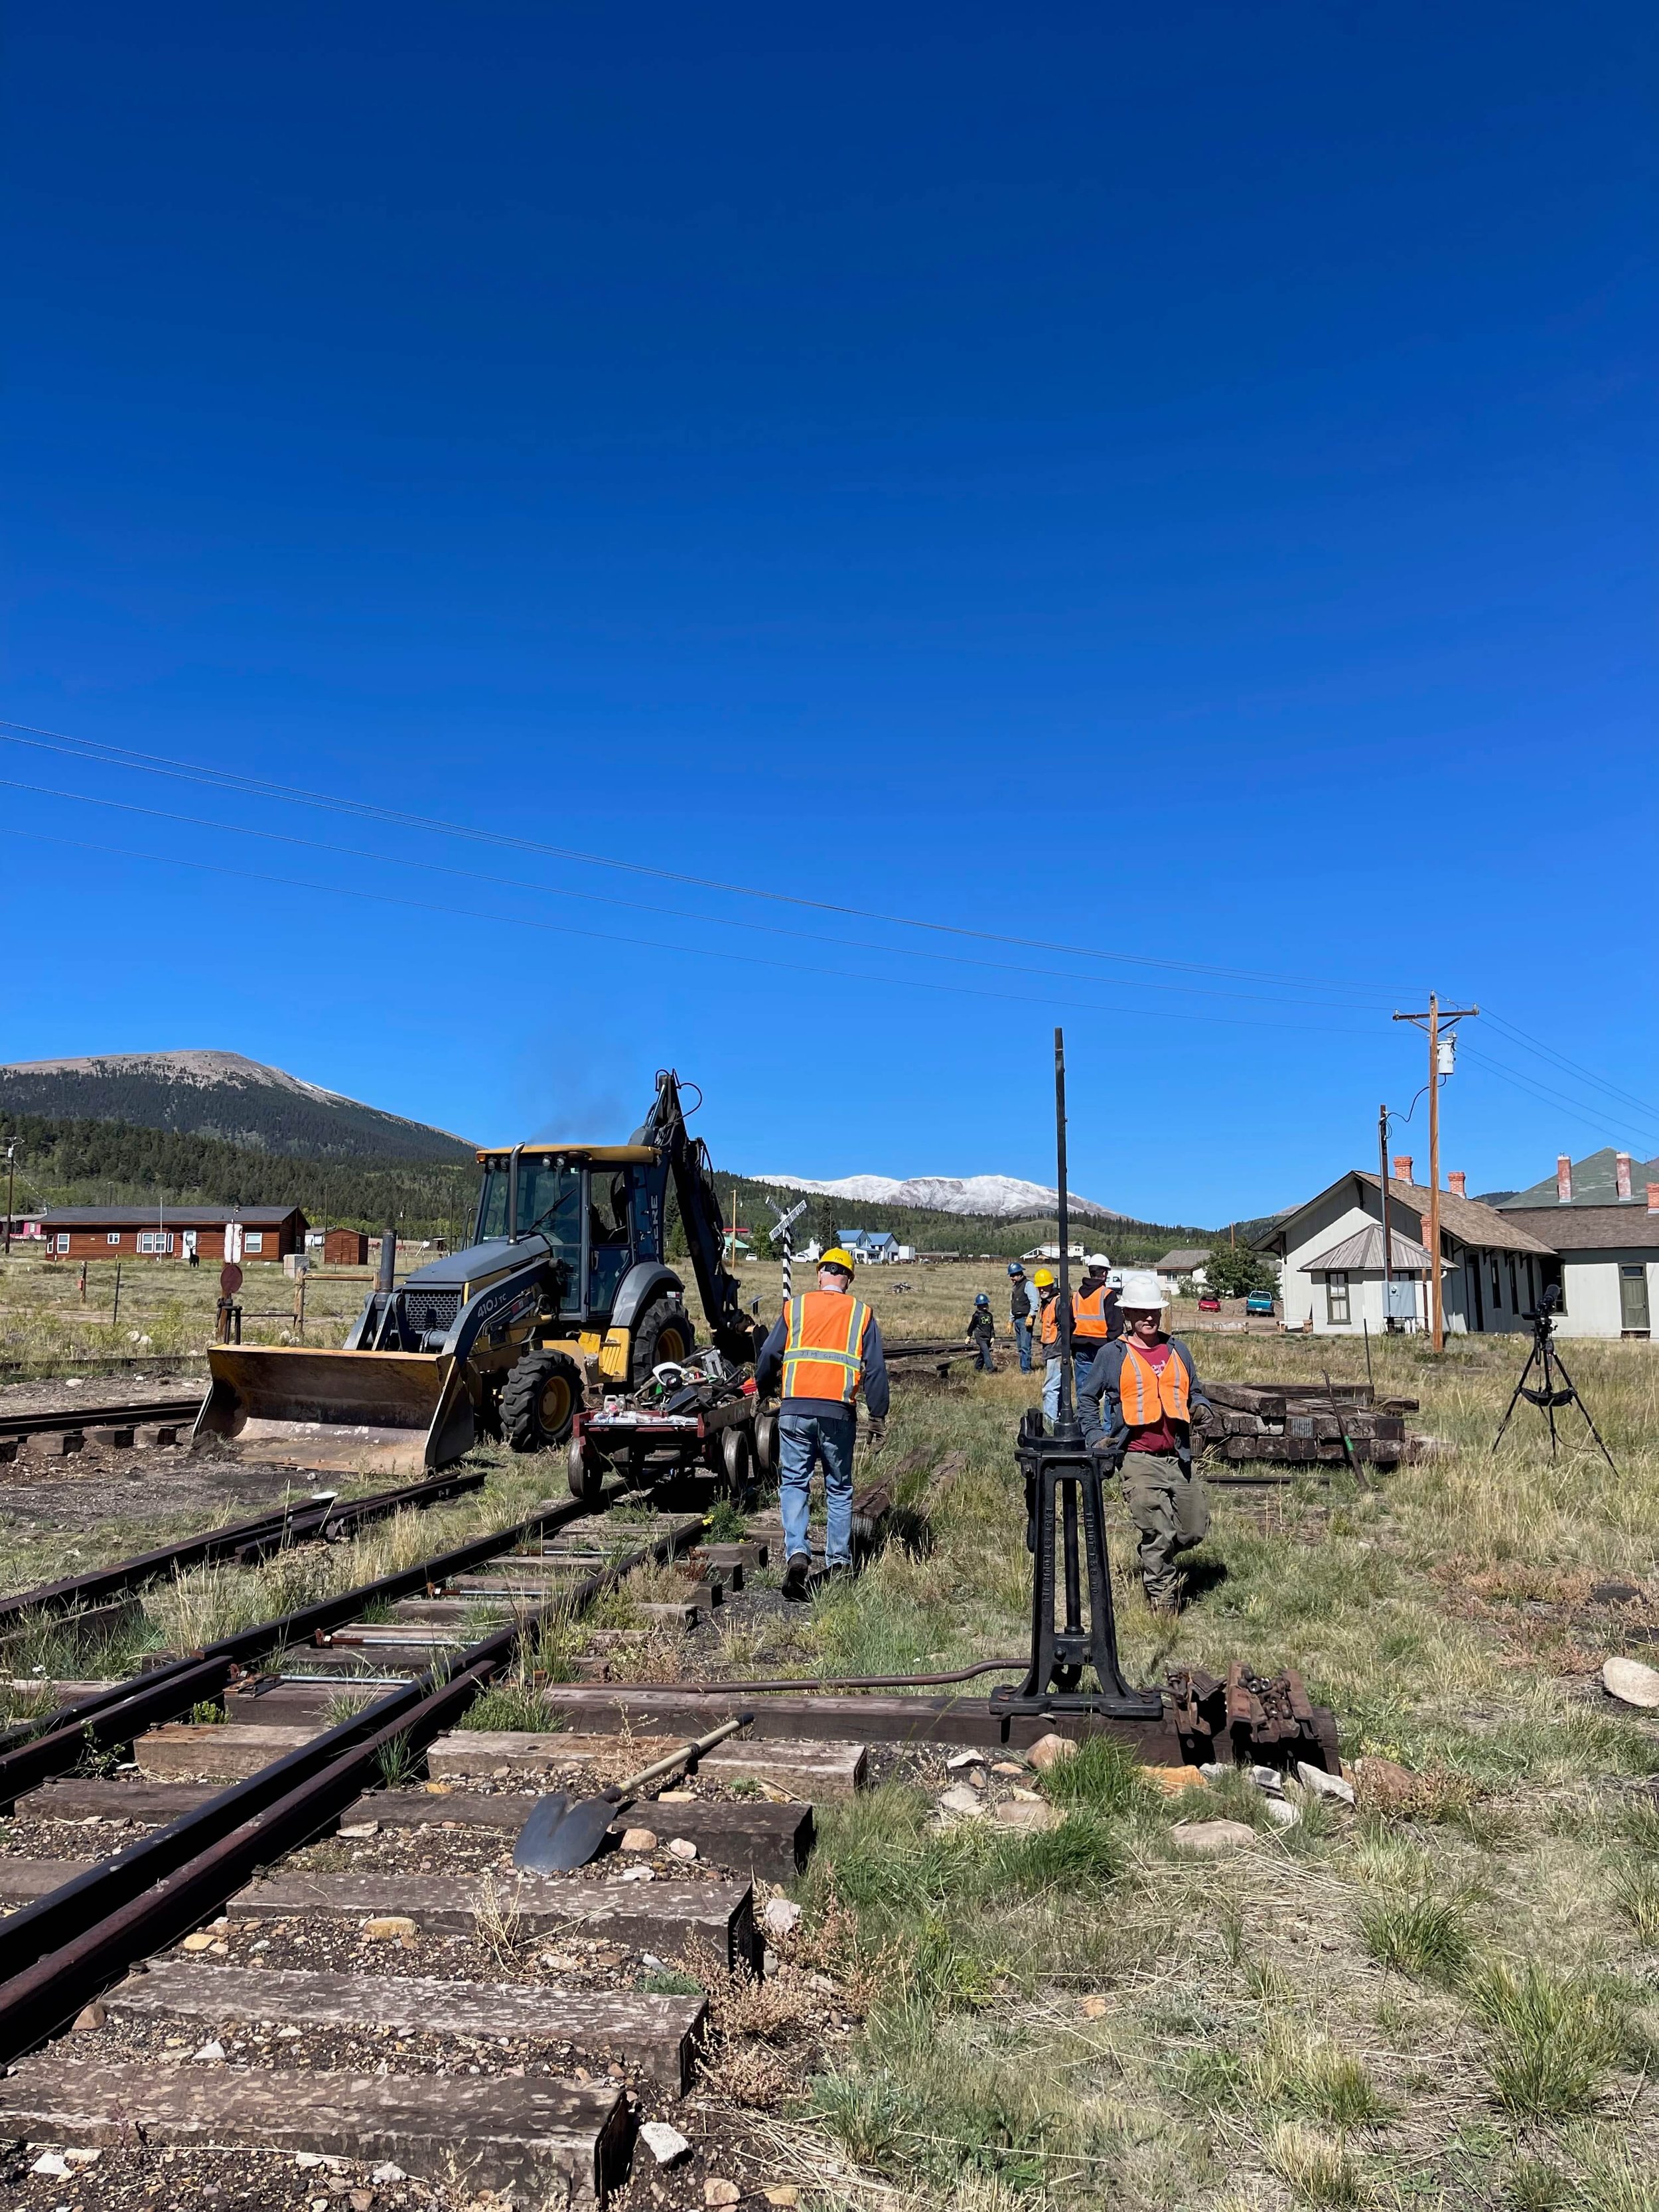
794	1575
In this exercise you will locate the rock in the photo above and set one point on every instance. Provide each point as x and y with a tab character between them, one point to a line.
1093	2007
1268	1778
1613	1592
1318	1784
1385	1785
309	2160
781	1916
214	2053
638	1874
201	1940
1215	1769
960	1761
358	1831
1174	1780
50	2162
665	2144
89	2020
360	2200
1028	1817
681	1847
721	2192
1048	1751
388	2172
783	2193
677	1798
389	1927
78	2157
1212	1839
1631	1682
960	1799
1006	1766
1282	1812
639	1839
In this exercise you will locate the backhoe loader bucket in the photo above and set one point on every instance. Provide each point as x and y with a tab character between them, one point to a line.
337	1413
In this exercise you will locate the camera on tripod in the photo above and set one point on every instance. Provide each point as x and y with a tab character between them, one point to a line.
1556	1388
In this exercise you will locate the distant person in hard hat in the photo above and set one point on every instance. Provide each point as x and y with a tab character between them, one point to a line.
825	1347
981	1330
1022	1312
1048	1292
1097	1314
1138	1401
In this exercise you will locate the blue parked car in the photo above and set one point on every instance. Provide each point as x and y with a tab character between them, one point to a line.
1260	1302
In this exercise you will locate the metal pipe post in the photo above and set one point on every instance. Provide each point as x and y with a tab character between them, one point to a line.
1065	1426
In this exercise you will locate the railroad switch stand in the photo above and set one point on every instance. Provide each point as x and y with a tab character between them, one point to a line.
1062	1478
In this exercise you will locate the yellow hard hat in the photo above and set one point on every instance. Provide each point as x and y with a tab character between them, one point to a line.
1044	1278
834	1257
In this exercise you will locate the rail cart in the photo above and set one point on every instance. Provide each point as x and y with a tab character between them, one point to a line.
695	1414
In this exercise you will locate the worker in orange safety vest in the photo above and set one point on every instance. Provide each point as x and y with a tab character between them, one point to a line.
825	1347
1139	1402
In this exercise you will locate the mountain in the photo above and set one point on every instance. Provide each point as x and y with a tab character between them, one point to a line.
222	1095
999	1198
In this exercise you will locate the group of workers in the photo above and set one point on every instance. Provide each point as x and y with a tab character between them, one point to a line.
1138	1393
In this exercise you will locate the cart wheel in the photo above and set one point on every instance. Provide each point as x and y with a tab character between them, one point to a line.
766	1446
734	1451
586	1472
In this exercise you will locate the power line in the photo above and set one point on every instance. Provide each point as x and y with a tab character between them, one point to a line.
94	750
596	898
646	943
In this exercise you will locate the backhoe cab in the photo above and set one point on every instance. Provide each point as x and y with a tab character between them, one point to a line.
565	1281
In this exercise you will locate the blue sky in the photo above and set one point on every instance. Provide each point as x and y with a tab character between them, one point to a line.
1159	487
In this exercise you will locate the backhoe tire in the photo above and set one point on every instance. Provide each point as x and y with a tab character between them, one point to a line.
540	1401
663	1331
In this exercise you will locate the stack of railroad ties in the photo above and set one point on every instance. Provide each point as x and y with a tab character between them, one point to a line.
1308	1421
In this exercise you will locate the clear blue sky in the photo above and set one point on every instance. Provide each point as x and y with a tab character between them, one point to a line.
1168	483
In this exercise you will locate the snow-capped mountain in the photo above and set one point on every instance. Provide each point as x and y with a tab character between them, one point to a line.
1006	1197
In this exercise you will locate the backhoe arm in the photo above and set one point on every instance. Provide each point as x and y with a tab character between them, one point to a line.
694	1186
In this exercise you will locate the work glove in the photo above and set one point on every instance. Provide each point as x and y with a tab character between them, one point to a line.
877	1431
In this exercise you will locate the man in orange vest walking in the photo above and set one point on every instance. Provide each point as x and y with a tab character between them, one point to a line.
1097	1314
1137	1402
825	1347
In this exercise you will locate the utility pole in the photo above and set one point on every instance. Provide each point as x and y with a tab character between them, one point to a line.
11	1187
1436	1018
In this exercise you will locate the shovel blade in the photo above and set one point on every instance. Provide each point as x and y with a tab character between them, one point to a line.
558	1836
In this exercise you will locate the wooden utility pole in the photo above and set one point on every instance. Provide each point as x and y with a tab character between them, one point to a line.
1436	1018
11	1188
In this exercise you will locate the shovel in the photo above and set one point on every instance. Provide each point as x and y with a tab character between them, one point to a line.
560	1836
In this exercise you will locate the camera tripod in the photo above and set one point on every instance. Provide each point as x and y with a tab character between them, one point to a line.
1551	1392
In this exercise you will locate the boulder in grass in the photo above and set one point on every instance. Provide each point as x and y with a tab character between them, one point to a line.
1631	1682
1212	1839
1049	1751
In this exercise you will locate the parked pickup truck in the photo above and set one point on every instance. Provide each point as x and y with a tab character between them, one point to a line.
1260	1302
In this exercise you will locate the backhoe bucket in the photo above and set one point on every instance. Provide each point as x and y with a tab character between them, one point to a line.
337	1413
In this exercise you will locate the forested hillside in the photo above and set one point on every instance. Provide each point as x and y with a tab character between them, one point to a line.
78	1162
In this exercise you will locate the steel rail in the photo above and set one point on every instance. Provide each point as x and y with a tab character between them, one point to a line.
245	1541
100	1417
65	1948
114	1716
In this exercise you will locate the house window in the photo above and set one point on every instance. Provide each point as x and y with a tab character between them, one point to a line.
253	1241
112	1237
1496	1286
1336	1299
1514	1295
156	1241
63	1240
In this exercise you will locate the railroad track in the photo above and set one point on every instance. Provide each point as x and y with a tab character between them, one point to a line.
65	1431
219	1805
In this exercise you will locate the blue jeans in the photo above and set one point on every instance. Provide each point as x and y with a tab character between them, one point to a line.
1023	1337
803	1439
1051	1390
984	1362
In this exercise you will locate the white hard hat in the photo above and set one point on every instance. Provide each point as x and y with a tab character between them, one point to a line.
1141	1291
1097	1259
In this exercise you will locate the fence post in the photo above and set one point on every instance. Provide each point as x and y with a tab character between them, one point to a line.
115	1309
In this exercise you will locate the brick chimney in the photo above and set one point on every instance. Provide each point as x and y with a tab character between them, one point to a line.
1653	1198
1458	1183
1402	1167
1621	1173
1563	1179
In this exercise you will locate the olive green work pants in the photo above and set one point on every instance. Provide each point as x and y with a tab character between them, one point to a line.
1170	1512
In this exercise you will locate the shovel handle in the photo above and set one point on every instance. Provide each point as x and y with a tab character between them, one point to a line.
681	1752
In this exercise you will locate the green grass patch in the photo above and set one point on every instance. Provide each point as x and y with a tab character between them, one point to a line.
1553	2038
1425	1937
518	1706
